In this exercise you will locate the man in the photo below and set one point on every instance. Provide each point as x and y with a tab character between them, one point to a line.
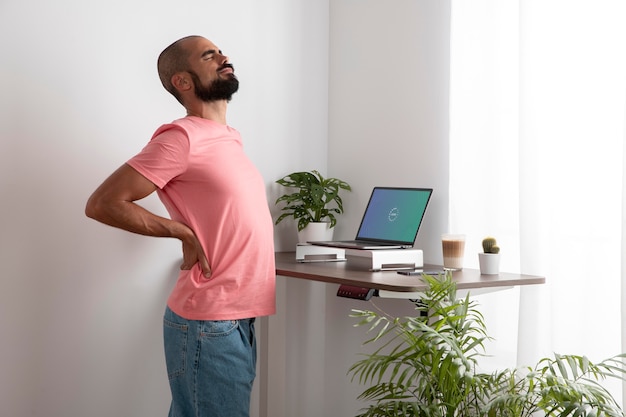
218	208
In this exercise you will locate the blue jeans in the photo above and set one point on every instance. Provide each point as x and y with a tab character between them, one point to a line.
211	366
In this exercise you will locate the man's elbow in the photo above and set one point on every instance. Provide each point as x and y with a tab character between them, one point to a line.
93	209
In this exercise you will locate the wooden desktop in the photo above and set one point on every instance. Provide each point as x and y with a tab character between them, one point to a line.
342	273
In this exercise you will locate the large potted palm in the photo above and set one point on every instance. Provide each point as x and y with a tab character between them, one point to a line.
314	203
426	366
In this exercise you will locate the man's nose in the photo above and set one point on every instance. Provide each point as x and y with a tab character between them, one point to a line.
223	59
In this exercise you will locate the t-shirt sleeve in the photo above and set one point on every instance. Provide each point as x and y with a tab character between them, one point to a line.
164	157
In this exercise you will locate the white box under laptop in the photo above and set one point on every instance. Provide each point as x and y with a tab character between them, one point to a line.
388	229
305	252
385	259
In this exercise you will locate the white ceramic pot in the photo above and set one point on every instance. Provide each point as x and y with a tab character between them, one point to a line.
489	263
316	231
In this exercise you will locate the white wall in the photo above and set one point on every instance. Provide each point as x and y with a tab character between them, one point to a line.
389	70
388	125
81	303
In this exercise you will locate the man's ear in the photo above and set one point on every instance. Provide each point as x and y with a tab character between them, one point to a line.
181	81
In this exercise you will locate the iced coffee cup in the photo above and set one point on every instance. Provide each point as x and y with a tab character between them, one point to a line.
453	247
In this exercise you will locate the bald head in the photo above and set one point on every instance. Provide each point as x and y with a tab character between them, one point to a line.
174	59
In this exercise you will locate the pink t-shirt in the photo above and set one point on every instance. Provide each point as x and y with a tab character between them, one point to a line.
207	182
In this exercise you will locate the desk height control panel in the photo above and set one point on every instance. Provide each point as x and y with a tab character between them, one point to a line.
358	293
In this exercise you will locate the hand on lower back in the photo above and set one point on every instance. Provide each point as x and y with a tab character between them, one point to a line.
193	253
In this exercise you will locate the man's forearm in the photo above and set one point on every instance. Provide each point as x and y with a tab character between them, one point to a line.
132	217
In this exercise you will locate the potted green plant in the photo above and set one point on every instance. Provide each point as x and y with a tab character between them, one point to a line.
489	259
426	366
314	200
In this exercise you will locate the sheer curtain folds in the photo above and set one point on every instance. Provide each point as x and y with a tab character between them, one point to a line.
538	116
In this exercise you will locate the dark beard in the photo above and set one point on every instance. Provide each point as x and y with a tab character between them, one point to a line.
219	89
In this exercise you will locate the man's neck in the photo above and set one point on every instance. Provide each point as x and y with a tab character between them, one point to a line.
215	110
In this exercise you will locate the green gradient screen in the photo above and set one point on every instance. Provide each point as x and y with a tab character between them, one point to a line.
394	214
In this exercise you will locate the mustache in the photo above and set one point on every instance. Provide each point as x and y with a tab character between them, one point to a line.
226	65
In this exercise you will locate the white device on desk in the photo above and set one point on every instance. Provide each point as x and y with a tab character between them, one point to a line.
309	253
385	260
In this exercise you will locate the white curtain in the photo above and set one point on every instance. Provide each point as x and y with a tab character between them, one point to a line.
537	113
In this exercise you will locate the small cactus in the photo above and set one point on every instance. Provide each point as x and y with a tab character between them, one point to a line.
490	245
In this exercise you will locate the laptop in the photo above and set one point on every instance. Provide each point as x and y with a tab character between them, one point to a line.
391	220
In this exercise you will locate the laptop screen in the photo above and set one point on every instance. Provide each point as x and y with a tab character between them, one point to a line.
394	214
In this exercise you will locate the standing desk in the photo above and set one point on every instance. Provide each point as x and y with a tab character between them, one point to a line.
306	348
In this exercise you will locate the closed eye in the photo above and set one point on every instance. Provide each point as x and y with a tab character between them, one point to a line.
210	54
